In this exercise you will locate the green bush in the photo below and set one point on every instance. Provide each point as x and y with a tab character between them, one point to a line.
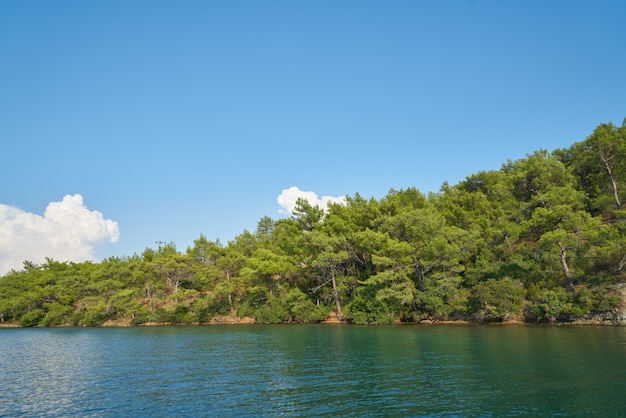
370	311
274	311
551	304
442	297
95	315
57	314
302	309
605	299
582	301
180	315
32	318
200	310
496	299
143	315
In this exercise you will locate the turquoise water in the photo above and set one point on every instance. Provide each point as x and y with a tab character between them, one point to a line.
314	370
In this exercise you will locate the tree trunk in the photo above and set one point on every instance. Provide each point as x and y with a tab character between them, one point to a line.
621	264
613	183
149	294
230	302
335	293
566	269
230	297
420	277
176	284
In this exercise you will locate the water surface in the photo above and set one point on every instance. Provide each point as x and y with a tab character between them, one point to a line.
314	370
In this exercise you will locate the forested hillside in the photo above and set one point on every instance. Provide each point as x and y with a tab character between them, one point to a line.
541	239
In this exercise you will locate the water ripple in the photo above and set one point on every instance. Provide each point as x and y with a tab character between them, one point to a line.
312	371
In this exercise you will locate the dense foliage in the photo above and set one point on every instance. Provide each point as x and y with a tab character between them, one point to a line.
543	238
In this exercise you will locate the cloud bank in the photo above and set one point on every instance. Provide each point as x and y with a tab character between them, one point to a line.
288	197
66	232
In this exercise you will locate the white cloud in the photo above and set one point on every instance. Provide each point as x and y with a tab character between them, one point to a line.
288	197
66	232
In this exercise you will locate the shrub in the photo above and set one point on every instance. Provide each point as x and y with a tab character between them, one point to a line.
551	304
274	311
180	314
302	309
32	318
94	315
363	310
143	315
57	314
497	299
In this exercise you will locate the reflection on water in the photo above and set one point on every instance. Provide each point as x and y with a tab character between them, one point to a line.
314	370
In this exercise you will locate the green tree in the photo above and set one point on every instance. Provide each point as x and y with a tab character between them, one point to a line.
328	260
600	161
564	229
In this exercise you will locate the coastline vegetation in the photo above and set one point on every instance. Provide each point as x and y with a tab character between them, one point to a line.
542	239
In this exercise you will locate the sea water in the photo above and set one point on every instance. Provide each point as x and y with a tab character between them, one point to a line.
314	370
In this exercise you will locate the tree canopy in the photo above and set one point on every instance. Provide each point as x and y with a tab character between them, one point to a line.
541	239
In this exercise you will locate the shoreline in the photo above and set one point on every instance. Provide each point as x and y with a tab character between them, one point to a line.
594	322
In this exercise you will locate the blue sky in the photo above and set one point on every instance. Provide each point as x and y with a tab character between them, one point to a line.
175	118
